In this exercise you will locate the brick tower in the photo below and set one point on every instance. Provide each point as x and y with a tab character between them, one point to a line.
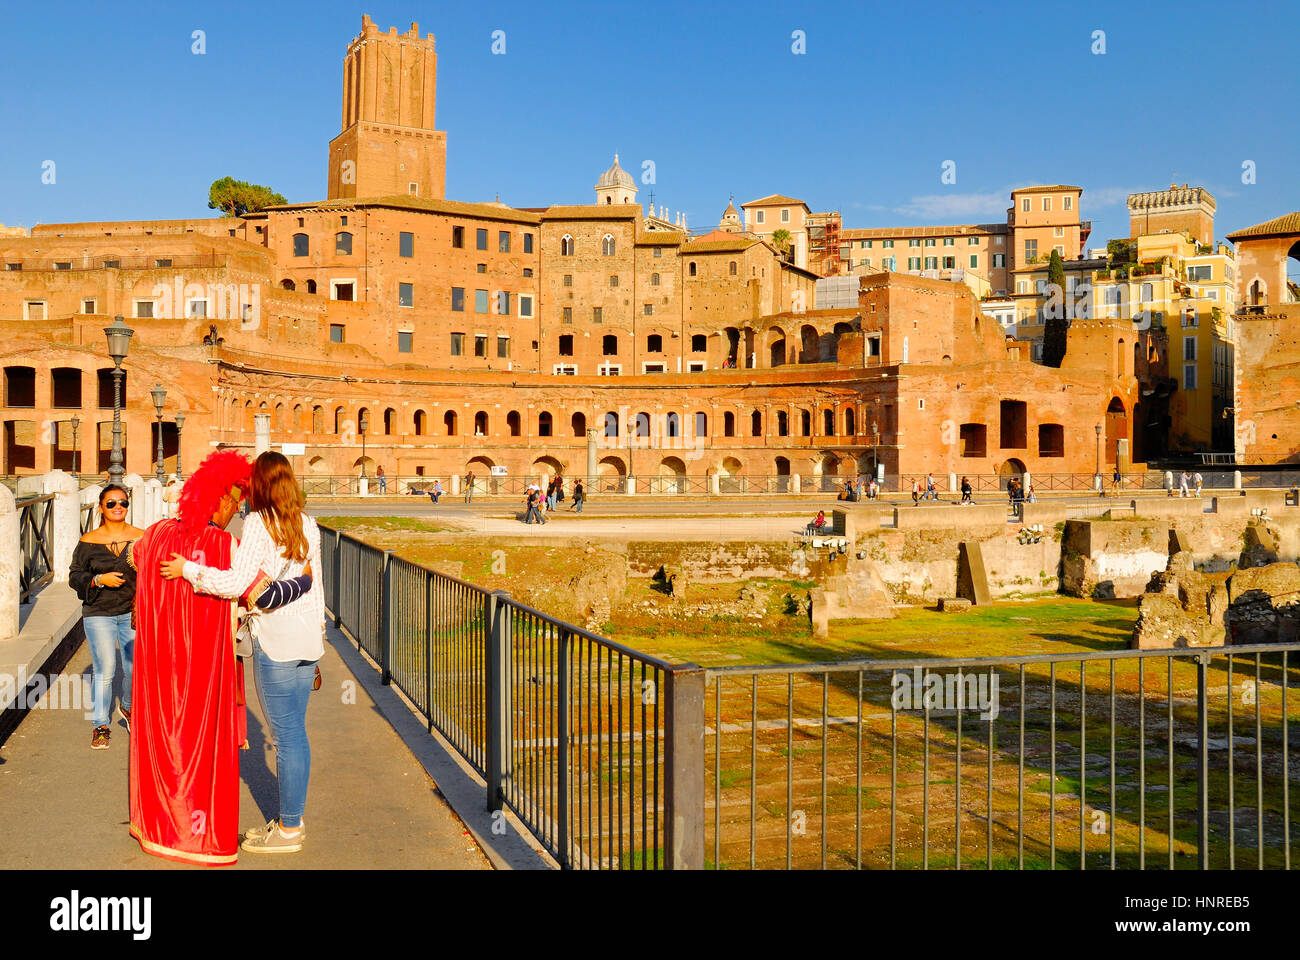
388	144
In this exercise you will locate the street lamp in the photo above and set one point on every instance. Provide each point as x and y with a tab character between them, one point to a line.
119	338
875	449
1101	490
76	425
159	398
363	422
180	425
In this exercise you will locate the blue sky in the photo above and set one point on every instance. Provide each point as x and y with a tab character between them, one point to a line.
138	126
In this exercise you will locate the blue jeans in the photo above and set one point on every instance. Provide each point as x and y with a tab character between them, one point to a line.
107	636
578	505
283	689
383	484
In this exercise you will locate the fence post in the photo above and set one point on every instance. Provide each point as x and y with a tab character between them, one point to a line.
684	768
338	579
562	738
496	651
386	619
1203	765
428	647
11	565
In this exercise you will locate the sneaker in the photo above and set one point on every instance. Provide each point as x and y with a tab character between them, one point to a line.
99	738
273	842
126	716
259	832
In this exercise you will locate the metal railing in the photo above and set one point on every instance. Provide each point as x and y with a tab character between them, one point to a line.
1114	759
101	262
36	544
571	731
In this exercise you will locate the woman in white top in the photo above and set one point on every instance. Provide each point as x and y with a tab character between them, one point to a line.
279	541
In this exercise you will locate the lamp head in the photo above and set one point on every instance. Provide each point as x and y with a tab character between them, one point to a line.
119	339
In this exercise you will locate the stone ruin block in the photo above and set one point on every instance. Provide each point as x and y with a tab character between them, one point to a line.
953	605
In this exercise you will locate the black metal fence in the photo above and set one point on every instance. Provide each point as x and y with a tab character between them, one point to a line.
1115	759
36	544
570	730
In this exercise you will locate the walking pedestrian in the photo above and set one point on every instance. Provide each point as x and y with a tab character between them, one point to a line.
1182	485
916	492
1116	480
469	487
966	490
1198	480
103	578
383	480
930	492
579	496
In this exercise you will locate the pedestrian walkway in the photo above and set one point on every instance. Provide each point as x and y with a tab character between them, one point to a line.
371	803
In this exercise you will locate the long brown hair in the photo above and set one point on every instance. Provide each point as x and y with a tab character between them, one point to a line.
274	493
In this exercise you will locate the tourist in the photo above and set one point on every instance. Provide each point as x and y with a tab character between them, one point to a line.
436	492
1116	480
1029	495
847	492
579	496
469	487
873	489
383	480
916	492
550	494
1198	480
819	522
102	577
288	642
1013	491
533	502
1182	485
966	490
930	492
559	491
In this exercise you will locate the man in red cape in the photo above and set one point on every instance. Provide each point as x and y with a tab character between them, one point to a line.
188	719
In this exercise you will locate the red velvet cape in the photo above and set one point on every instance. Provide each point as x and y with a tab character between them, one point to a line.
187	719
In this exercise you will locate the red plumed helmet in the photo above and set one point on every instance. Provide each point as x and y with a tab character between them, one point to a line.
208	484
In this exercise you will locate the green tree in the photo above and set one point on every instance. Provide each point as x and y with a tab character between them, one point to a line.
236	197
1055	322
781	239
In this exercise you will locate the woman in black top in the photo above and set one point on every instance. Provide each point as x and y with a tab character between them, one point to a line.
102	576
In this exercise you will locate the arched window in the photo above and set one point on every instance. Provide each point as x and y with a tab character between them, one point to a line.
343	243
850	423
512	423
317	420
782	423
301	245
449	422
287	284
421	423
579	422
673	424
756	424
728	424
607	245
609	345
543	424
654	279
643	424
339	417
701	424
363	420
805	422
690	269
731	268
566	246
654	343
311	286
611	424
390	421
828	421
481	424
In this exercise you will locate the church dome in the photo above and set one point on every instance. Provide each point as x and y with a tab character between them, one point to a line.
615	176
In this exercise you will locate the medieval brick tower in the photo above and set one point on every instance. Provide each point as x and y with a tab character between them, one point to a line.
388	145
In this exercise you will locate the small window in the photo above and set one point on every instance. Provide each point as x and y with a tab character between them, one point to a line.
503	241
568	279
503	347
405	295
413	189
528	271
1047	204
699	343
336	333
404	341
63	265
654	343
607	245
659	251
89	306
565	369
648	309
691	268
457	344
929	241
525	306
167	262
480	301
731	268
566	344
1024	205
480	239
343	221
343	243
597	315
405	244
19	266
480	345
36	309
480	268
503	303
458	298
567	316
301	245
566	246
458	236
528	243
785	214
613	280
654	278
609	345
759	216
974	260
143	309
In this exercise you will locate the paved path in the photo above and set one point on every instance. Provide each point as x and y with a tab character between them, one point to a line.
371	803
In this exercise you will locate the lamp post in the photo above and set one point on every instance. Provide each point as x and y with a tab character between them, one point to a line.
1101	489
180	425
159	398
363	422
119	339
875	448
76	425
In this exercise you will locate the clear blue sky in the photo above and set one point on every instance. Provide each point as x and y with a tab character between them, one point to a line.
138	126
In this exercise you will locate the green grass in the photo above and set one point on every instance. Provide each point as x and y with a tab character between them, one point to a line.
383	524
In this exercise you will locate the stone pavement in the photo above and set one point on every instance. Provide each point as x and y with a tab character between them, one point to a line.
371	803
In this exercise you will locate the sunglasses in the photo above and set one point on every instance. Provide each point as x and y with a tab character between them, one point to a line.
112	504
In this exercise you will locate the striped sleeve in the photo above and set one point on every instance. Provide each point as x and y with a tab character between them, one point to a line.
252	552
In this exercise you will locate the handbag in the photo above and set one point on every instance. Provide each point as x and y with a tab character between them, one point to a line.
251	626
